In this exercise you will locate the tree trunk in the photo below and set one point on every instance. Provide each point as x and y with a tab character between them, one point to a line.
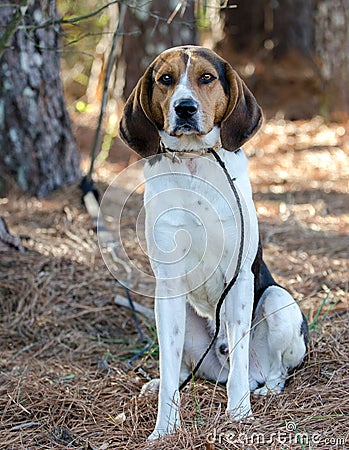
278	27
332	46
37	148
271	44
148	33
293	28
244	28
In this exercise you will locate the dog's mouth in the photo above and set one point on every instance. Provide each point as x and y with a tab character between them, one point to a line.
186	128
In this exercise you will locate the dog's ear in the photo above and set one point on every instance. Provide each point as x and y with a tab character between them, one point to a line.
137	129
243	116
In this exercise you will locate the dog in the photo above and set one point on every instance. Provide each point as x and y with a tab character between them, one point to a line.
188	102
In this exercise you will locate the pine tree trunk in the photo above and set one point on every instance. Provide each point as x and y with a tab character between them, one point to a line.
37	148
332	46
271	44
279	27
293	28
244	28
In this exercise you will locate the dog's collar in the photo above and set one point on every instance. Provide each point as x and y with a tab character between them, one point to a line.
178	155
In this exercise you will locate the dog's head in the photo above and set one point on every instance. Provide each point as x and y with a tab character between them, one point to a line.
188	91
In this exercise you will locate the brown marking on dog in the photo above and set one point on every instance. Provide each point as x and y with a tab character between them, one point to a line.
224	100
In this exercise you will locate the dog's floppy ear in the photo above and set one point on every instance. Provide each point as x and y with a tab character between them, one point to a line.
243	116
137	129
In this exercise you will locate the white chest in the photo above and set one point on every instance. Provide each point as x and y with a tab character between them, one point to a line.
193	226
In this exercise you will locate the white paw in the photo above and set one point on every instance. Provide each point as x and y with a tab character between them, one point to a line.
160	432
156	434
150	388
241	412
271	387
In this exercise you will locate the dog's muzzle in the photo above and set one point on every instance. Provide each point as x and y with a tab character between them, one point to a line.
186	109
186	117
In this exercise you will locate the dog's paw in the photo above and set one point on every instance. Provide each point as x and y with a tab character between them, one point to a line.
150	388
241	413
156	434
271	387
160	432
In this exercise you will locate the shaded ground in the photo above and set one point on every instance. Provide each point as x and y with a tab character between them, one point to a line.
64	345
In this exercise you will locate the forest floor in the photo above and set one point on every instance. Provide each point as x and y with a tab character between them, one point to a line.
65	377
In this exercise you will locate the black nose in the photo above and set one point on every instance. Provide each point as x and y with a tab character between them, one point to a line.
186	108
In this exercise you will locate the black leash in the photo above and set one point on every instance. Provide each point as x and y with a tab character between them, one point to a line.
87	186
236	274
142	337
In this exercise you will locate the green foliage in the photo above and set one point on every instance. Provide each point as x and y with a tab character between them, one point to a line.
83	24
322	313
203	21
198	414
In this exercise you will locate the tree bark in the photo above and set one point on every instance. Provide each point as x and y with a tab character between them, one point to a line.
279	27
332	48
244	29
148	33
37	148
271	44
293	28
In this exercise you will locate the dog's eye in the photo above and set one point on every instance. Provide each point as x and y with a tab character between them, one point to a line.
166	79
206	78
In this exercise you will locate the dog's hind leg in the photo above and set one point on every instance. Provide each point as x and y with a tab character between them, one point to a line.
278	340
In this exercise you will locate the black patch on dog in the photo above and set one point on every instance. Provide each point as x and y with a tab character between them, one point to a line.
151	83
262	276
185	58
304	331
155	159
260	384
219	66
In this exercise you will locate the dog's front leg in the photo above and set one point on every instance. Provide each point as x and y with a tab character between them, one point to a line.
238	313
170	322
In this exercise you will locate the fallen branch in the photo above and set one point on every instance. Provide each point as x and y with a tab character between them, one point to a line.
7	240
123	301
